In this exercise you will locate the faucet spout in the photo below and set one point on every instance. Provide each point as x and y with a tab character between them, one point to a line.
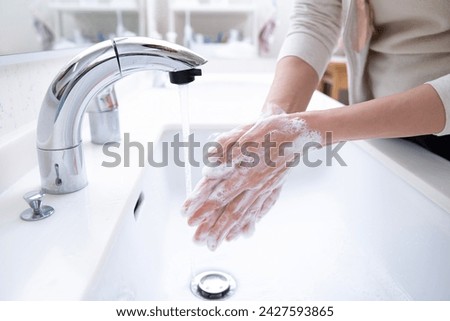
60	155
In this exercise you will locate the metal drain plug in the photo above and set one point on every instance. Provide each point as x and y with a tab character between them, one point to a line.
213	285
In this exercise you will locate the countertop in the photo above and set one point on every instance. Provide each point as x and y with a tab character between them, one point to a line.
71	244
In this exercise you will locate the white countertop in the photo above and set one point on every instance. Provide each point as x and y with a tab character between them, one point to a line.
56	258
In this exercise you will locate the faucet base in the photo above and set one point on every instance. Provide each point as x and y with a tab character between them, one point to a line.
62	171
105	127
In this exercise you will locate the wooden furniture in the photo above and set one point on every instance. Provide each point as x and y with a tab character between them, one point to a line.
335	78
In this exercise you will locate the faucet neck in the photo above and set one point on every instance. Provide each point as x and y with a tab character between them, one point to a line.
67	98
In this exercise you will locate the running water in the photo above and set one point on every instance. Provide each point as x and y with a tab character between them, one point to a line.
184	106
186	128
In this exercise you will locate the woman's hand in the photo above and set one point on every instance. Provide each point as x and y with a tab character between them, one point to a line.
254	159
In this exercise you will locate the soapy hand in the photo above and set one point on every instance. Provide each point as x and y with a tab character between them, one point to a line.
254	159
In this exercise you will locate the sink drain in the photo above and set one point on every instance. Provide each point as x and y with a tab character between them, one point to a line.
213	285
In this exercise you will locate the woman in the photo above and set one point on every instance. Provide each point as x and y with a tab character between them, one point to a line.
399	86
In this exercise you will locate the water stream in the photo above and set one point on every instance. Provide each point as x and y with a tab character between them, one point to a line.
186	131
209	277
184	106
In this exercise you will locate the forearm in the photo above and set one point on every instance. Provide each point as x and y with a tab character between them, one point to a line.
293	85
418	111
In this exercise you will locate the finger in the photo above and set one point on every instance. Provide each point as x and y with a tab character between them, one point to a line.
255	205
223	193
249	218
233	148
226	191
238	230
232	219
255	212
269	203
213	192
233	134
220	171
249	229
226	221
234	233
204	211
199	195
253	134
203	229
226	141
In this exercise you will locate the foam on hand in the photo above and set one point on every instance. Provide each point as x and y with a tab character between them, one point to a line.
217	172
306	138
248	191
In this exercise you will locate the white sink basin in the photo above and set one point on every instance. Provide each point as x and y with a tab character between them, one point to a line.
356	232
337	233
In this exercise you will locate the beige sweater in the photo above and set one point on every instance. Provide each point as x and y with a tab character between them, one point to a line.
410	45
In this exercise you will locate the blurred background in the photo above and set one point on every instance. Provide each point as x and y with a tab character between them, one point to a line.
215	28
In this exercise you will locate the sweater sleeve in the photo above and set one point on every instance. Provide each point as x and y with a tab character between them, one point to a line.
442	87
313	32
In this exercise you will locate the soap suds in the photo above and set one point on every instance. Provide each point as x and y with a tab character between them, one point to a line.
246	187
217	172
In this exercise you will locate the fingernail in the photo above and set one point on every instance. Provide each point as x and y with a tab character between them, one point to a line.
211	243
201	237
231	237
250	231
212	150
194	221
199	240
183	211
193	208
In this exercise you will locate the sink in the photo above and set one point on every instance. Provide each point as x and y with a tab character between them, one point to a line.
356	232
368	231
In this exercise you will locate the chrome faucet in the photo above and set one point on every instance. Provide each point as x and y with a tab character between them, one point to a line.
59	147
103	113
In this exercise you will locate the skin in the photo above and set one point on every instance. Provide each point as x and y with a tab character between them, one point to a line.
247	194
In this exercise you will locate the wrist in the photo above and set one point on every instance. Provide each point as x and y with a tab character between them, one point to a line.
270	109
326	123
279	107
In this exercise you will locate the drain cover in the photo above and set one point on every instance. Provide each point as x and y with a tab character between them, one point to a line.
213	285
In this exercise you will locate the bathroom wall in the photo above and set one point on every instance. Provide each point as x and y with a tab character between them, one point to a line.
22	88
24	80
17	32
